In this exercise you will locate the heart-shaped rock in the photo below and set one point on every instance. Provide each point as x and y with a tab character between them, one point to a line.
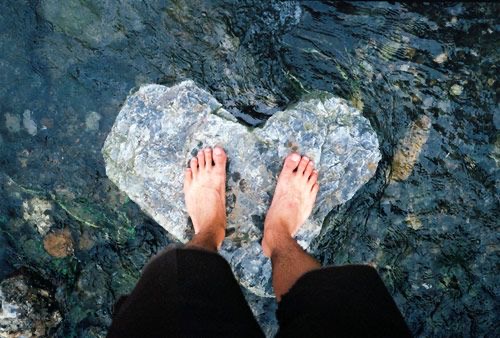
160	128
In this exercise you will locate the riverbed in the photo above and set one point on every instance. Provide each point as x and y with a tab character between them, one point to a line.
424	75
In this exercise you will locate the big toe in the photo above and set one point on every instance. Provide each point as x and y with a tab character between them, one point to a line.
219	158
291	163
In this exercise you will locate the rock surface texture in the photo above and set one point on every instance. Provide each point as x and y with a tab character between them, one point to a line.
26	310
160	128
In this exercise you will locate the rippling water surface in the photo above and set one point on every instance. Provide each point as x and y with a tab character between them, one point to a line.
424	75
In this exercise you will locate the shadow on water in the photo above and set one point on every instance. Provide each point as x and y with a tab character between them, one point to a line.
424	75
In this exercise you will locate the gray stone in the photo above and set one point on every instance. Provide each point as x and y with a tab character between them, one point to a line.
160	128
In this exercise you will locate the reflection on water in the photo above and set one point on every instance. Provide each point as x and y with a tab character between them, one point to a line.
425	76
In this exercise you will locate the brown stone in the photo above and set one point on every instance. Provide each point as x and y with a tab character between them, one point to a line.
59	243
408	149
86	242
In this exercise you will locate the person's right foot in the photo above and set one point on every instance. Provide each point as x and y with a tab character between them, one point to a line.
205	192
292	202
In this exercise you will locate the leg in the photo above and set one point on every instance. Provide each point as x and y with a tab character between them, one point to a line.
292	203
334	301
191	292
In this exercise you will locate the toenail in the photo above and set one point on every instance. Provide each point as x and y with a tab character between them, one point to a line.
217	151
207	149
295	157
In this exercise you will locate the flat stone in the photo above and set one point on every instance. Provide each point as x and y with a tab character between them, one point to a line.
160	128
59	244
408	149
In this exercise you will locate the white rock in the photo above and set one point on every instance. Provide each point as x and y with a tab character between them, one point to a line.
28	123
92	121
441	58
35	211
456	90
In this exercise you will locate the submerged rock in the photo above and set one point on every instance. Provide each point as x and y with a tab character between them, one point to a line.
160	128
92	120
456	90
59	244
37	212
28	123
12	123
27	310
408	149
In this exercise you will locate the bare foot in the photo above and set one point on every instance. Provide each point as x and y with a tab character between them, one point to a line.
205	193
292	202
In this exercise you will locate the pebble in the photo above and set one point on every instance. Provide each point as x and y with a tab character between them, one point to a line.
92	121
12	123
456	90
37	212
441	58
59	244
28	123
413	222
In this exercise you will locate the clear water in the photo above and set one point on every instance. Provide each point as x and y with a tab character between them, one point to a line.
66	67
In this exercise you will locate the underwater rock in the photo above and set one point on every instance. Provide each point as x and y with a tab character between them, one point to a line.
92	120
160	128
59	244
441	58
456	90
92	23
27	310
37	212
28	123
86	242
12	123
409	148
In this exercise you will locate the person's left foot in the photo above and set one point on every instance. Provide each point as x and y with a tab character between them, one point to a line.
204	190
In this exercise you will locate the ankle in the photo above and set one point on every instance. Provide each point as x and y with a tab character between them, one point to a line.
275	240
208	239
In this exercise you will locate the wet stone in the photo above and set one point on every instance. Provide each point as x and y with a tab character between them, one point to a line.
36	211
59	244
28	123
158	127
26	310
12	123
456	90
92	121
409	148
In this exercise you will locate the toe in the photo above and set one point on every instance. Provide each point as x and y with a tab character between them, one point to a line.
201	159
302	165
208	157
220	158
193	165
313	178
309	169
291	163
188	178
314	190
